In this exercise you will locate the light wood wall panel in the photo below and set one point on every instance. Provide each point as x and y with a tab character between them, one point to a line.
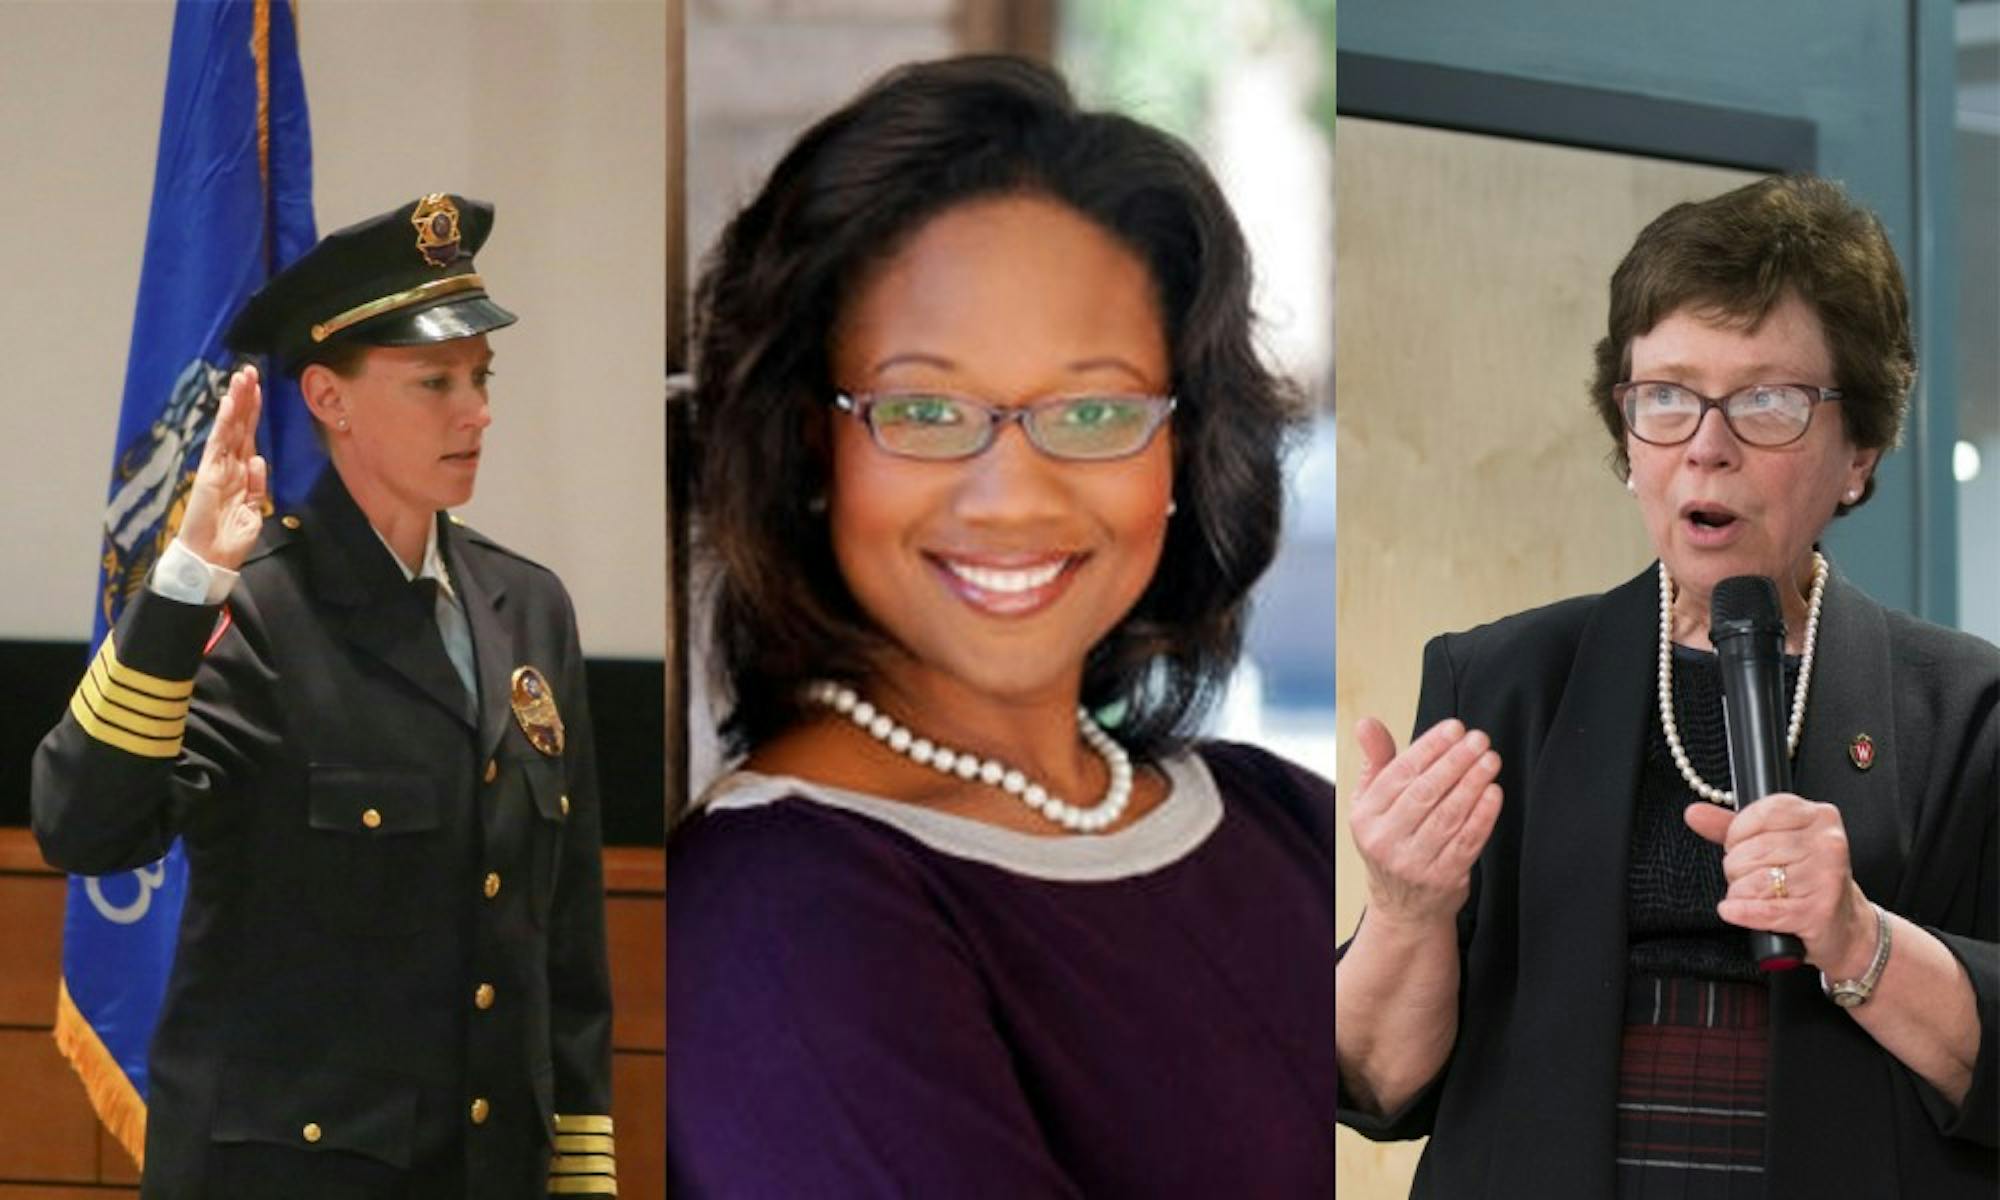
51	1135
52	1148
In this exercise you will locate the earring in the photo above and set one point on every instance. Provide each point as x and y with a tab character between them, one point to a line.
343	424
1173	506
1853	494
1631	487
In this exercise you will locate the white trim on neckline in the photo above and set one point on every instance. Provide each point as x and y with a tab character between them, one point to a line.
1182	822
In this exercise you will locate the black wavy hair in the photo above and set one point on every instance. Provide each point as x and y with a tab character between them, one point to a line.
847	195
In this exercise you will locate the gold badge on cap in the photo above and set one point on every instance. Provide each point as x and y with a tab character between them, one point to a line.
436	220
1861	752
535	711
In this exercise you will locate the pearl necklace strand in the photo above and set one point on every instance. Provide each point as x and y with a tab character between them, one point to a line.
1702	787
991	771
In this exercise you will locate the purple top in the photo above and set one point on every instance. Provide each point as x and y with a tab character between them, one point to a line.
867	998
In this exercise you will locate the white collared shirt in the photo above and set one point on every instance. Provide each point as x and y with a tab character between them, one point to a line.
183	575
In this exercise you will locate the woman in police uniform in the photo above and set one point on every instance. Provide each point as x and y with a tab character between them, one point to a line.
368	724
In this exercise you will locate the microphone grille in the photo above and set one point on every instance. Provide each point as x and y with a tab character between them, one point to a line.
1751	598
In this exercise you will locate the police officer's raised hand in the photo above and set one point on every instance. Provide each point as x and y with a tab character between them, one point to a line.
225	507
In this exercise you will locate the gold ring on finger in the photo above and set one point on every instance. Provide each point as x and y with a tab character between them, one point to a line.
1777	875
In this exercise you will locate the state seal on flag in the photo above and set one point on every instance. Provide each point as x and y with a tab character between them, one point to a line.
150	482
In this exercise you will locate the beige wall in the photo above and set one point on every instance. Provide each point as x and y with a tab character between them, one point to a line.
760	71
79	118
553	111
1473	475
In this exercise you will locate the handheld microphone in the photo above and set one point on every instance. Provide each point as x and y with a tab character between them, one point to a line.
1748	632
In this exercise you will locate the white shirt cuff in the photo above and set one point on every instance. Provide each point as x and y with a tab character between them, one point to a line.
182	575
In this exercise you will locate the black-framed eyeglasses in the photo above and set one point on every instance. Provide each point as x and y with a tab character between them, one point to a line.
945	426
1763	414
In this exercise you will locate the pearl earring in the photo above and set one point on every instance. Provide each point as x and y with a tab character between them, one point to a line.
343	424
1631	487
1853	494
1173	506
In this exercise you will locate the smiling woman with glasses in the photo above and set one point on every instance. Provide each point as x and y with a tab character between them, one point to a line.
987	466
1554	980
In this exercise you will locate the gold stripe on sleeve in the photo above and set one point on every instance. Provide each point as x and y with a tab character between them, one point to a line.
584	1164
583	1185
108	708
111	735
594	1123
152	685
583	1143
125	697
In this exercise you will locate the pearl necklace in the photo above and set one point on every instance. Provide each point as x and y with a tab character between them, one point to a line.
991	771
1702	787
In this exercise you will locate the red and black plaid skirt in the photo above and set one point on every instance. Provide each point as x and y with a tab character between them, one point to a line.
1691	1090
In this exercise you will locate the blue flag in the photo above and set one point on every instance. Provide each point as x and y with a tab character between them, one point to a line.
232	203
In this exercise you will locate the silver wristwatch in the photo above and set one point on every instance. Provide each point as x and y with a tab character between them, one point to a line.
1853	993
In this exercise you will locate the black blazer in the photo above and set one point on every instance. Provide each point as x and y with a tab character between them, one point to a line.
365	852
1526	1104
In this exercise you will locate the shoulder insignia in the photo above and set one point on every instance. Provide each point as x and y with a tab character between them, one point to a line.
468	536
277	533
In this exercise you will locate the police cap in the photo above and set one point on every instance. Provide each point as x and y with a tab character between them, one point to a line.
400	279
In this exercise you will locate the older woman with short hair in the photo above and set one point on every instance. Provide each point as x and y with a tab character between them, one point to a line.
1553	979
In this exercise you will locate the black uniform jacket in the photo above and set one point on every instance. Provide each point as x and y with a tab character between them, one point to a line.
394	931
1526	1104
